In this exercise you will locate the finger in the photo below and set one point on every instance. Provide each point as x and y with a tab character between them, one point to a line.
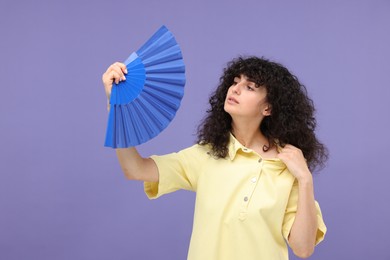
117	67
111	77
122	66
292	147
116	76
288	147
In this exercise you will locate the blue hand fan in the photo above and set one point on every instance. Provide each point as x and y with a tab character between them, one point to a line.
145	103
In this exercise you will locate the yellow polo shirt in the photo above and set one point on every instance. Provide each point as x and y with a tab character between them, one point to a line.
245	205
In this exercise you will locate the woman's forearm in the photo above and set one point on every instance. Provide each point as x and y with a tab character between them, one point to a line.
304	229
135	167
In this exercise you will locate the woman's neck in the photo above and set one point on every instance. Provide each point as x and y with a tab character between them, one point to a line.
249	135
256	141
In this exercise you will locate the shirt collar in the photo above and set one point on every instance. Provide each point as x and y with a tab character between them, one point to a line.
235	145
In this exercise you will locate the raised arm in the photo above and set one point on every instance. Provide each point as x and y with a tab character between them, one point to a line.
133	165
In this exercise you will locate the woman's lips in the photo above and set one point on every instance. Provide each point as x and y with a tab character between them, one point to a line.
232	100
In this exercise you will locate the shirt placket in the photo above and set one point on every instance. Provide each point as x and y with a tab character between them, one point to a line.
249	190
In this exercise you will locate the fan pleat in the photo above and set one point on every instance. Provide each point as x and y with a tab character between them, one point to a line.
174	66
135	132
136	62
144	125
131	58
120	133
139	73
169	101
121	123
163	97
126	93
172	78
167	55
153	115
163	30
165	110
150	120
130	89
164	42
170	89
132	134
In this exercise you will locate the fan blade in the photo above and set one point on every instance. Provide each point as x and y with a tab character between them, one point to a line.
172	78
174	66
170	89
173	53
164	109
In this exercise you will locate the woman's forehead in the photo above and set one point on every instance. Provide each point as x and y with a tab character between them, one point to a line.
249	79
245	77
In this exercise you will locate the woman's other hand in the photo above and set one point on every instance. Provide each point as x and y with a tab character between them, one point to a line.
295	161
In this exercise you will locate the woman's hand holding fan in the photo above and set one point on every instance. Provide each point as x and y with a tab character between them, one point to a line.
115	73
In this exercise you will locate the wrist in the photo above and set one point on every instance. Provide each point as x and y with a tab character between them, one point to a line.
305	178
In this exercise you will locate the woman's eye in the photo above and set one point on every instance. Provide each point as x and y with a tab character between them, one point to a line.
249	88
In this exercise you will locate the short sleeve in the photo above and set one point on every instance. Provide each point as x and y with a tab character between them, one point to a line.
291	210
176	171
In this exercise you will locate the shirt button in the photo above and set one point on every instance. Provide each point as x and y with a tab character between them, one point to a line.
245	198
254	179
260	160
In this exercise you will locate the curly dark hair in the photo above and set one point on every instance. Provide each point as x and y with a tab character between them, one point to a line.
292	118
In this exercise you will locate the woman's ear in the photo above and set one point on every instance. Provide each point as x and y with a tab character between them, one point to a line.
267	110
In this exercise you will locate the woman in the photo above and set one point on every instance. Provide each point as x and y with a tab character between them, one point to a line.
250	169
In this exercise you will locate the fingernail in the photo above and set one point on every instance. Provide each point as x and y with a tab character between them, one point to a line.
123	78
126	71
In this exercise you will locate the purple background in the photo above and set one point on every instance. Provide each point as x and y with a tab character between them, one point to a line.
62	194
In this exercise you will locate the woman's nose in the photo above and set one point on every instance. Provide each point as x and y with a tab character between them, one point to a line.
236	88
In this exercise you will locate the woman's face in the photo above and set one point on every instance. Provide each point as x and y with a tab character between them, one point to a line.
245	100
